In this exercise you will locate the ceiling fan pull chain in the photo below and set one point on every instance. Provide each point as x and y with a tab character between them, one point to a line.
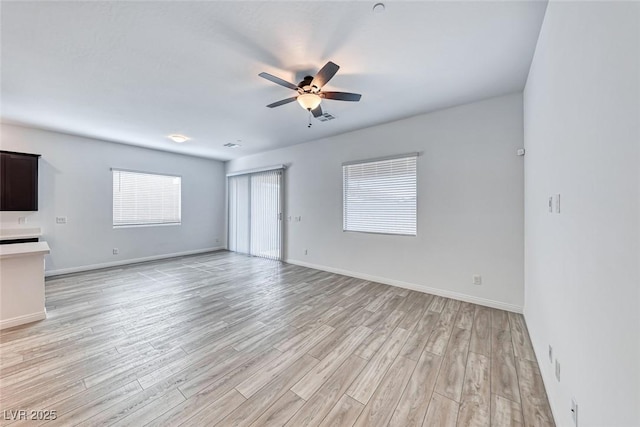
309	119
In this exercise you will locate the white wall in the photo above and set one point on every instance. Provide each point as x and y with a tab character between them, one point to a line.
582	280
470	202
75	181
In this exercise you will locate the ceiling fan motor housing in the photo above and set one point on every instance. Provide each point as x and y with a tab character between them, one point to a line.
306	86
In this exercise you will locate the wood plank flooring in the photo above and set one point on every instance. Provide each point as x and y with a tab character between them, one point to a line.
230	340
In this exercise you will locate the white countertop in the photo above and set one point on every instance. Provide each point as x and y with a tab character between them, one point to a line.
20	233
23	249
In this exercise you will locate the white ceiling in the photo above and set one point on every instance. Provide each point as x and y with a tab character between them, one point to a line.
135	72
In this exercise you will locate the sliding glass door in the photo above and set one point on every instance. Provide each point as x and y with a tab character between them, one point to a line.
255	214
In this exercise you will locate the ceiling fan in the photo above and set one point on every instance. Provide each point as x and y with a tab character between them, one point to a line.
310	93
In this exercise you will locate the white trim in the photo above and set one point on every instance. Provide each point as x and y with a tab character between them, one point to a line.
89	267
21	320
414	287
256	170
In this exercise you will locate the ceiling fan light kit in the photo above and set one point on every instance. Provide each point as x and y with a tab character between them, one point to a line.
309	101
310	92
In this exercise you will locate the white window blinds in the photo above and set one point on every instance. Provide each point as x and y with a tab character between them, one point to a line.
145	199
380	196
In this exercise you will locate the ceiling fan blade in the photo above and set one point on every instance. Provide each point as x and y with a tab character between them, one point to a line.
317	112
282	102
325	74
341	96
278	80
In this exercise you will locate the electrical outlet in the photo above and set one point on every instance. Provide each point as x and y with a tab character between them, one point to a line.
550	354
557	370
217	240
61	220
116	251
574	411
477	279
22	220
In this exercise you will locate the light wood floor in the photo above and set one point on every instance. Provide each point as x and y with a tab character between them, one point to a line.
227	339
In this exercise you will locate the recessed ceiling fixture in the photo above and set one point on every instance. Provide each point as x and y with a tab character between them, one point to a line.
231	145
178	138
378	8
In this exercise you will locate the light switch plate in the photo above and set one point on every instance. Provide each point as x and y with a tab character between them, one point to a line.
61	220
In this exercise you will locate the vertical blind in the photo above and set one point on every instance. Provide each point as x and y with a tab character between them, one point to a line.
380	196
145	199
266	218
255	214
239	214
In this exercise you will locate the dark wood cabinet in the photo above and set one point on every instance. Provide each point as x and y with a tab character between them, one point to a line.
18	181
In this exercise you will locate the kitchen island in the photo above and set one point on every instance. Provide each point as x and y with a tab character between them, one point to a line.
22	283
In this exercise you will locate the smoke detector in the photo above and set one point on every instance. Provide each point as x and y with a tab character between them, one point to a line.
378	8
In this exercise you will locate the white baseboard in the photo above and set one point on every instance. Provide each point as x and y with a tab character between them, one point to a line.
547	380
412	286
21	320
60	271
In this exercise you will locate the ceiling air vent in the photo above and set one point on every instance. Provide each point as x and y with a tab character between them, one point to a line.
325	117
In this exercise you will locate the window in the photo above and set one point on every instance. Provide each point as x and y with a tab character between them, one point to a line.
380	195
145	199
